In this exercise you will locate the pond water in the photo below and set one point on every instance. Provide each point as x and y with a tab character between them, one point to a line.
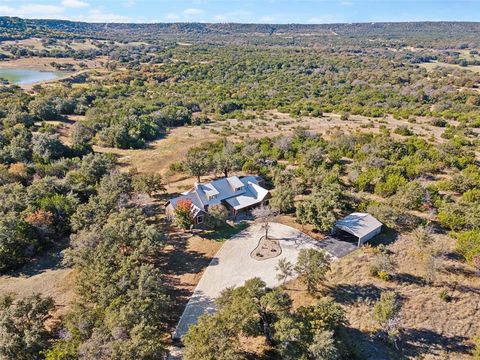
27	76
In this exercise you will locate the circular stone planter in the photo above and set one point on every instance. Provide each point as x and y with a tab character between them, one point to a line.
266	249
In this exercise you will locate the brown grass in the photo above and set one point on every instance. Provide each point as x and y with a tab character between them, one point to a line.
43	63
44	275
432	65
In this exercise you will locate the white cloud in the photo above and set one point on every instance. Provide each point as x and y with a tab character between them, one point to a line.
192	12
7	10
76	4
39	11
346	3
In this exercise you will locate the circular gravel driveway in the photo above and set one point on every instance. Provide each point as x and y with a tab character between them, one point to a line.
232	265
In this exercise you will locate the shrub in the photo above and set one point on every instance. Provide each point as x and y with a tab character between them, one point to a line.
391	184
476	351
382	267
403	130
439	122
468	244
445	296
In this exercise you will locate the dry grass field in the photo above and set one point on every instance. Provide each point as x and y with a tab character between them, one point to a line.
59	44
432	65
45	275
43	63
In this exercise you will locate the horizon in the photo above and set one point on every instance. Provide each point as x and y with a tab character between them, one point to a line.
247	23
272	12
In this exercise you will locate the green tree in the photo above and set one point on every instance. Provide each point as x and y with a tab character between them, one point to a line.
198	163
121	305
17	240
320	208
82	137
285	269
47	147
213	337
312	266
283	198
150	183
43	109
227	159
23	334
323	346
254	310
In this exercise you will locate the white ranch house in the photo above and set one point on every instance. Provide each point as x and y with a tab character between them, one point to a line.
236	193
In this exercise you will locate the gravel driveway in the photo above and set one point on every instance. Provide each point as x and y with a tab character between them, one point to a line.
232	265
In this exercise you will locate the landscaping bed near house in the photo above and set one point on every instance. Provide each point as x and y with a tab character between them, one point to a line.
267	248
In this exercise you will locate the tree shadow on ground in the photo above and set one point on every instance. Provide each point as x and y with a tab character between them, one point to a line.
418	342
408	279
453	256
178	260
363	345
179	297
351	293
49	259
386	237
459	270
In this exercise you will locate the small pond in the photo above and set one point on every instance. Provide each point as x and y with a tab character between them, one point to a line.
27	76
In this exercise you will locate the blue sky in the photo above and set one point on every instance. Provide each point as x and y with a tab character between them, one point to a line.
245	11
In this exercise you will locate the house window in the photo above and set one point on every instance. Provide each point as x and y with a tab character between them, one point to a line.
200	219
211	197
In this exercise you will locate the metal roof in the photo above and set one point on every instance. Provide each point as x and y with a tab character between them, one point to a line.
238	192
358	224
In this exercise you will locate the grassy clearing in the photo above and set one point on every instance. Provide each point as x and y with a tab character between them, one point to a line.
44	275
432	65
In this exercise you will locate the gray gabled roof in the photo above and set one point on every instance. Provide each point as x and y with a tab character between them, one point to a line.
237	192
358	224
253	195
